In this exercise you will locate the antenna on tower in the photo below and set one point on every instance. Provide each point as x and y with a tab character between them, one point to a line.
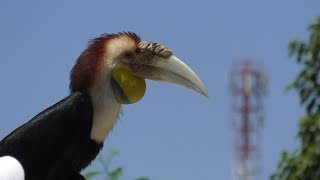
248	85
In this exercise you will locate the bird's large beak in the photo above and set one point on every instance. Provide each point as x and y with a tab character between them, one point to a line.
159	64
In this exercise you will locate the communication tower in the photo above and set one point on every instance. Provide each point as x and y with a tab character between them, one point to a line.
248	86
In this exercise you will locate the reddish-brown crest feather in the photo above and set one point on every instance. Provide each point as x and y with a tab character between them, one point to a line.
83	73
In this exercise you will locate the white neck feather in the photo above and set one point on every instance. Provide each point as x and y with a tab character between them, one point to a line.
106	111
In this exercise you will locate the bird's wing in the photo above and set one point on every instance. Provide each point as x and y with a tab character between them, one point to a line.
39	143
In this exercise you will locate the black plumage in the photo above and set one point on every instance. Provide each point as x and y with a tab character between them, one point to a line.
65	140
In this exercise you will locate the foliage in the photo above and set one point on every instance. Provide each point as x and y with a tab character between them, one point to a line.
304	162
114	174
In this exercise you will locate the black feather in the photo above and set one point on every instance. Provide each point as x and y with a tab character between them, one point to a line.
56	143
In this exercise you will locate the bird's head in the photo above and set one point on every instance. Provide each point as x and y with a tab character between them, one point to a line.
122	62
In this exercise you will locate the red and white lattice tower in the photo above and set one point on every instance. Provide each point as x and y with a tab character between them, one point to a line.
248	85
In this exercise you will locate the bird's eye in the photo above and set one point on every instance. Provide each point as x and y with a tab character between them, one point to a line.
126	56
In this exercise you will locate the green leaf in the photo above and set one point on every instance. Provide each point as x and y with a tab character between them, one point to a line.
289	87
303	162
301	51
284	157
142	178
292	47
111	155
115	174
304	95
310	106
91	174
109	175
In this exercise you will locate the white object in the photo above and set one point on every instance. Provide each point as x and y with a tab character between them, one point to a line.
10	169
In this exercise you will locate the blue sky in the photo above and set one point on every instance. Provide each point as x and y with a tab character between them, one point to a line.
173	133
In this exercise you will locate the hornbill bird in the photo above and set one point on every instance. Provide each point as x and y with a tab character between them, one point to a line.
63	139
